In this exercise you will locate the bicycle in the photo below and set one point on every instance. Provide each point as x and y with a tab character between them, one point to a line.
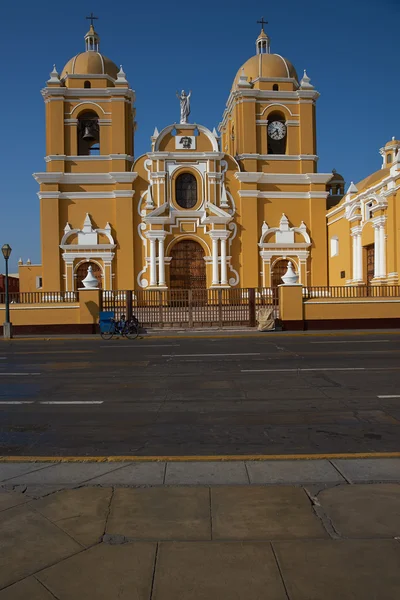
129	329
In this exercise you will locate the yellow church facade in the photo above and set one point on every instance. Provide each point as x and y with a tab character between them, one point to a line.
199	209
364	228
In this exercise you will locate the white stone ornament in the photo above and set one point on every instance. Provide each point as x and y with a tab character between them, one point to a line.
290	277
121	76
54	76
305	82
352	189
90	282
243	81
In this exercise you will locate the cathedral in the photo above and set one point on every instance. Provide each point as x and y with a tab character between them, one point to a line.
202	209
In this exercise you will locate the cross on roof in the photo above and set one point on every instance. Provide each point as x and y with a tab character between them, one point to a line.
262	23
92	18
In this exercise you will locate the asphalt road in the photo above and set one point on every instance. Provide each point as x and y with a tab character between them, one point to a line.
268	394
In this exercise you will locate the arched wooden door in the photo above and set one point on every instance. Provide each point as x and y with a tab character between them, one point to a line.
278	270
188	267
82	271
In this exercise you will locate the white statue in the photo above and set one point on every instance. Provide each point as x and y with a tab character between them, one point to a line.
185	105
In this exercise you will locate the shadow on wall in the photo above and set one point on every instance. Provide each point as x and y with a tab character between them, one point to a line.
93	309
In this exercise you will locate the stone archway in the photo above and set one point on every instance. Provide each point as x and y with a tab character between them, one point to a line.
188	267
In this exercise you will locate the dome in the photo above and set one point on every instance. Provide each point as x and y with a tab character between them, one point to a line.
393	143
336	176
90	63
268	66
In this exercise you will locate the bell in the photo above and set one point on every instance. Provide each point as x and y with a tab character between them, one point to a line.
87	134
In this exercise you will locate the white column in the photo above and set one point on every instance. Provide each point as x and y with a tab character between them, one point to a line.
215	274
161	262
377	251
359	258
153	265
354	257
382	255
224	275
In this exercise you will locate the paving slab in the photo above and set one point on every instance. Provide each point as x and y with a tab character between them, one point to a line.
358	470
363	511
161	513
28	543
293	472
104	572
66	473
345	569
135	473
27	589
10	499
10	470
217	570
81	513
263	513
206	473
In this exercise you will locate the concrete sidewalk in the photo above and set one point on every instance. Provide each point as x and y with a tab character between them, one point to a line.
59	475
246	530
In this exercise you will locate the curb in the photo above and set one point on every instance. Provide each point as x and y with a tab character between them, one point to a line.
268	334
218	458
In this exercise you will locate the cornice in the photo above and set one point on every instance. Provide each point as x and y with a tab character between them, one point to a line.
85	157
78	93
87	178
274	157
292	178
182	155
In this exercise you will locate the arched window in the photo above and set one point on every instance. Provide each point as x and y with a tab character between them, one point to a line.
88	133
186	190
275	87
87	84
389	158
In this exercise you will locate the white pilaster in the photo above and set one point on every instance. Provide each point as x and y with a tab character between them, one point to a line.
377	251
161	262
357	254
215	273
382	257
224	274
153	263
359	257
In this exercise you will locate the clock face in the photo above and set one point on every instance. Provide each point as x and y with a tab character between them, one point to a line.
277	130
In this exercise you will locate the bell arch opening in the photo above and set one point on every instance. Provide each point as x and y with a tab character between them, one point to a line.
88	134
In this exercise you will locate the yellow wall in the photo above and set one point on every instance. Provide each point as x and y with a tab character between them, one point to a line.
27	277
374	308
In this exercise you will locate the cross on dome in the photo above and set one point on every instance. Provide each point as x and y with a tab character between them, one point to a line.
263	41
262	23
92	39
92	18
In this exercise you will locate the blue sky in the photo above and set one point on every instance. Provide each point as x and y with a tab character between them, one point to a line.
349	48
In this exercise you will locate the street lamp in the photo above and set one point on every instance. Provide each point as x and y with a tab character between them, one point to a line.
7	326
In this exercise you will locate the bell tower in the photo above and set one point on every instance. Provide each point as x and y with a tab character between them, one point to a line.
90	124
269	120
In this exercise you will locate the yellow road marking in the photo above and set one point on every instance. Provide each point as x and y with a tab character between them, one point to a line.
218	458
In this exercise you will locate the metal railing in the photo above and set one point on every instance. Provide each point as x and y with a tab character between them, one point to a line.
191	308
40	297
351	291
